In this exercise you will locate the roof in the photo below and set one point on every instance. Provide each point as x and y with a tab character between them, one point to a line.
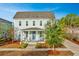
33	28
33	15
5	21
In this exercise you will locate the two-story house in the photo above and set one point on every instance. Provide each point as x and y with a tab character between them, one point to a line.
30	25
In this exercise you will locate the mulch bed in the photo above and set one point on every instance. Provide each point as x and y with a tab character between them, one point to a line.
45	46
60	46
60	53
33	53
74	41
10	44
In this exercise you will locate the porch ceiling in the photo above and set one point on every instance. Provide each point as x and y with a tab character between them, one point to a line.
33	28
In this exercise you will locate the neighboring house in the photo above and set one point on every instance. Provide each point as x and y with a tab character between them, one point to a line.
4	26
30	26
74	32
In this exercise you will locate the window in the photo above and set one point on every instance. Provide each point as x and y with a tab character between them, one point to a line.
47	22
33	23
19	36
26	23
40	23
40	33
26	34
19	23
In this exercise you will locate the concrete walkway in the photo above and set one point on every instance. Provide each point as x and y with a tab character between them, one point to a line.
29	49
72	47
31	46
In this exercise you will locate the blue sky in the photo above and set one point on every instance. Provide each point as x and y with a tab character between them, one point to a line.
8	10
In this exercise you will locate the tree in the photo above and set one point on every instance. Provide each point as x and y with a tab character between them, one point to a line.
10	32
70	21
54	34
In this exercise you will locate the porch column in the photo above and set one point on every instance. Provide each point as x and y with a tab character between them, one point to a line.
44	36
21	38
37	36
22	35
28	35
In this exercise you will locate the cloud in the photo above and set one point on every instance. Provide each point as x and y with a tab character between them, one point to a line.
15	7
12	9
59	15
52	9
8	11
56	8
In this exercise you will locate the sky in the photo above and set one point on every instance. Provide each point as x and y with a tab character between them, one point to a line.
8	10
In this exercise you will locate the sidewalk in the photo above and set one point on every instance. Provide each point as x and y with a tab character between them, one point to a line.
30	49
72	47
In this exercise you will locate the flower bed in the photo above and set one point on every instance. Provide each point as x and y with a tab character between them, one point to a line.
45	45
11	45
2	41
23	45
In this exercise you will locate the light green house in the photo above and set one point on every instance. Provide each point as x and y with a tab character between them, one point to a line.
4	26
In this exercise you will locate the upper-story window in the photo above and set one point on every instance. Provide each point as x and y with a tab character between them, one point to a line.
33	23
26	23
40	23
19	23
47	22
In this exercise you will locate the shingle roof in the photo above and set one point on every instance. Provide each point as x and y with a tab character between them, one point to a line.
5	21
33	15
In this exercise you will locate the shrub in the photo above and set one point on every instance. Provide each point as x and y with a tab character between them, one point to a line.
76	37
68	36
41	45
2	40
24	45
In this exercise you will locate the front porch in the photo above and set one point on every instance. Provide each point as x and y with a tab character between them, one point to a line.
32	35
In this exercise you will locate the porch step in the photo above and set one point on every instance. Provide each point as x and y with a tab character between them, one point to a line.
34	42
31	46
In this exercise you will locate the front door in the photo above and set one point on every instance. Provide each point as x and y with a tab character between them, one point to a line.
33	35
